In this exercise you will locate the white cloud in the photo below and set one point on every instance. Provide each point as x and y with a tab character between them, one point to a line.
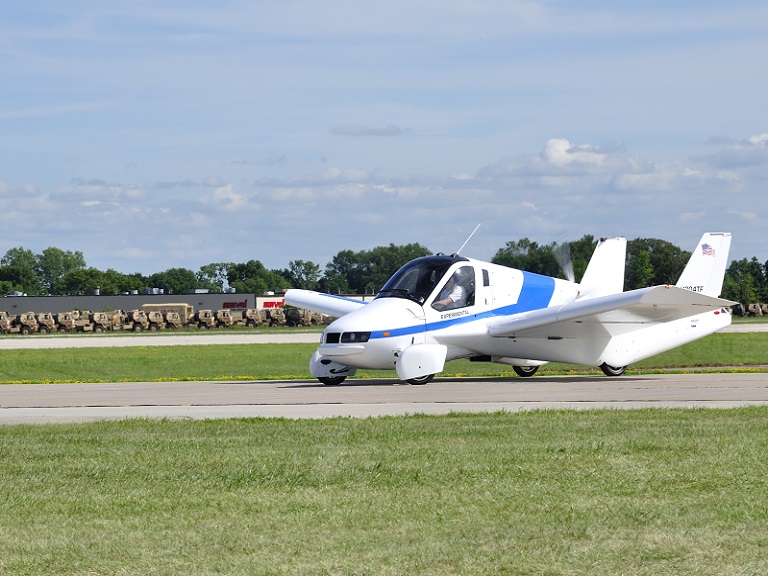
227	198
560	152
365	124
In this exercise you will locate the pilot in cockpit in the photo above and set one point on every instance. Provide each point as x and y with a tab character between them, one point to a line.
453	295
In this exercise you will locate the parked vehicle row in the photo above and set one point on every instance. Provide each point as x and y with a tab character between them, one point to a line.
153	317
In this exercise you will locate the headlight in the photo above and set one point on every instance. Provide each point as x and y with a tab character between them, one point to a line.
350	337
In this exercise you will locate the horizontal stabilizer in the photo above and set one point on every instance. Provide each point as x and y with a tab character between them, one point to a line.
336	306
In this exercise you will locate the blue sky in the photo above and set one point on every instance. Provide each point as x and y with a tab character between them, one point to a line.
152	135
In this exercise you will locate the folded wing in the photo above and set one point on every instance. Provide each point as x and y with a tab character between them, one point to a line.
614	313
336	306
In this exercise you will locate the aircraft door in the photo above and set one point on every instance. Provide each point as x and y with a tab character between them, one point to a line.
458	292
484	290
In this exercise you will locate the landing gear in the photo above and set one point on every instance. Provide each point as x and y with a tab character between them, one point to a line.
609	370
421	380
525	371
332	380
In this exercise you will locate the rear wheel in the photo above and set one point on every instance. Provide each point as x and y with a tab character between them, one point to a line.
525	371
332	380
609	370
421	380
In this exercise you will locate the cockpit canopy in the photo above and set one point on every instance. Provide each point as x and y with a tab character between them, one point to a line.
418	279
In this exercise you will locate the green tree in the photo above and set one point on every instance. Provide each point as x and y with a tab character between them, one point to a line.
525	254
581	253
81	281
382	262
338	273
667	261
213	276
303	274
174	280
253	277
365	272
53	264
18	268
639	272
743	281
118	283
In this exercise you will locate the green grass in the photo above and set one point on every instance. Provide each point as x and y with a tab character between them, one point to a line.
290	361
650	492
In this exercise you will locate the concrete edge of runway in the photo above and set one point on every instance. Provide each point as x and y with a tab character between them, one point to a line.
86	414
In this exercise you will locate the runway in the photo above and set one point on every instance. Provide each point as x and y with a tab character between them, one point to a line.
59	403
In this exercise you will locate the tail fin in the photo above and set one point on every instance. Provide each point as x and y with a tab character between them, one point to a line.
705	270
605	272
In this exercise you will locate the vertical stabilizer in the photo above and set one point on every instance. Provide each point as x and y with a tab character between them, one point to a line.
705	270
605	272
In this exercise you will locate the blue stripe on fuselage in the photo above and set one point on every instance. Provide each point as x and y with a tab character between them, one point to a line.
536	293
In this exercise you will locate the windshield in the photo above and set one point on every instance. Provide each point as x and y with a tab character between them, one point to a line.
417	279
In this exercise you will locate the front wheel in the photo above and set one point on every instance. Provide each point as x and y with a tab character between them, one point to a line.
331	380
609	370
421	380
525	371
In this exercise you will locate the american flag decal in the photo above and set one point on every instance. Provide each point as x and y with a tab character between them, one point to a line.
707	250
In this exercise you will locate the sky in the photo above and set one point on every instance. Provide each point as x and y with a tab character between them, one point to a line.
151	135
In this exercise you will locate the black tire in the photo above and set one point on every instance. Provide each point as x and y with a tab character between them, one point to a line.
332	380
98	329
44	330
609	370
421	380
525	371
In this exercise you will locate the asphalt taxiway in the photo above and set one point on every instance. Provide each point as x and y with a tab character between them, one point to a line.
58	403
54	403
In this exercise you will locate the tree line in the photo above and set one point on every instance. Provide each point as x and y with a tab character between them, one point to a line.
650	262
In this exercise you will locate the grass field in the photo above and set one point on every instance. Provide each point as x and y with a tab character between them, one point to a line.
649	492
746	351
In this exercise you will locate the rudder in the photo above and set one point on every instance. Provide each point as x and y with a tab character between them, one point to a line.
705	270
605	272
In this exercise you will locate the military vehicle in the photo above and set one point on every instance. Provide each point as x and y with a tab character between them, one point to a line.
25	323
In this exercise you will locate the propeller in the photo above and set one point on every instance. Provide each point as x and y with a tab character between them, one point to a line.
562	253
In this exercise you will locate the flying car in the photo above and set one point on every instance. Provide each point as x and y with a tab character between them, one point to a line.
445	307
